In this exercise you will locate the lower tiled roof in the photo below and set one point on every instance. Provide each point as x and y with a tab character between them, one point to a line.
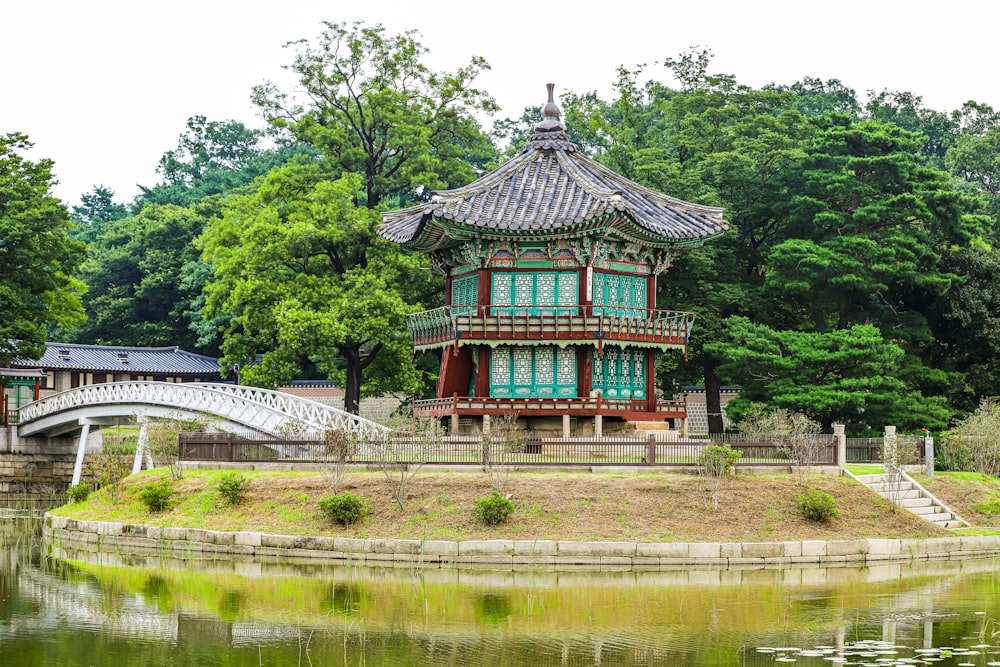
121	359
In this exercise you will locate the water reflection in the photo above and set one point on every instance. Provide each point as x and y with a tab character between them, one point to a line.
80	608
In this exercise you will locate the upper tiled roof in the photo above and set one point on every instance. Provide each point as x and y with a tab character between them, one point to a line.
119	359
548	187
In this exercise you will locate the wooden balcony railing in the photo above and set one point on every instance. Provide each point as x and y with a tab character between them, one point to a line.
548	406
448	324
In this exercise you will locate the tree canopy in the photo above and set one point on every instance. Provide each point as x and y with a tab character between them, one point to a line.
37	257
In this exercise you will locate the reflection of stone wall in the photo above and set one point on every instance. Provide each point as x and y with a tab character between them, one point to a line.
34	480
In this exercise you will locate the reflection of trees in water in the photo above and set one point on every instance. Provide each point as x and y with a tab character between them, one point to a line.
345	599
492	608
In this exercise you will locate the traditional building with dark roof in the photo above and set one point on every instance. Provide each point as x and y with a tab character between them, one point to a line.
551	263
70	365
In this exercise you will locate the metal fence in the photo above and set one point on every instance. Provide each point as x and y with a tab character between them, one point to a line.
606	451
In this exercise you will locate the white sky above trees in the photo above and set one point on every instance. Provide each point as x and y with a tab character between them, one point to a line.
105	87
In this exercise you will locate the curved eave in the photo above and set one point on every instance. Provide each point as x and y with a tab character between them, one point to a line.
551	194
434	233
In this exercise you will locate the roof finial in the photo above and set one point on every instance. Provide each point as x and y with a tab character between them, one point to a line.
551	113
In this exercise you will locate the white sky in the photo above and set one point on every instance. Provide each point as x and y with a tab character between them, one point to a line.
104	87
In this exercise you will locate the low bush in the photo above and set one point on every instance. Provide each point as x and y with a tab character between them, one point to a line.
232	486
493	509
156	496
345	508
77	493
816	505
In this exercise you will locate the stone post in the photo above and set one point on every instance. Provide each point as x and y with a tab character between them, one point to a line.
566	432
598	426
486	424
841	440
453	425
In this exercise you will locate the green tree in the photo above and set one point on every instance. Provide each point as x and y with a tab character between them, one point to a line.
844	375
866	232
374	109
96	209
37	257
388	129
139	273
303	275
214	157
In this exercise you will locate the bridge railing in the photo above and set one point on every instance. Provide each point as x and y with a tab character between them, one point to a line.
263	410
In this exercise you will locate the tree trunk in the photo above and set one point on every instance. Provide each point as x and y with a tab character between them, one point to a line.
352	383
713	398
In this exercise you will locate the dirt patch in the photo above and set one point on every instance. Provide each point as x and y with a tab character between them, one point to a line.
975	500
550	506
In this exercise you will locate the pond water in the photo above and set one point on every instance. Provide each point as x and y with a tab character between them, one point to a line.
76	608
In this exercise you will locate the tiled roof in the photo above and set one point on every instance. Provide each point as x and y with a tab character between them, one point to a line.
548	187
119	359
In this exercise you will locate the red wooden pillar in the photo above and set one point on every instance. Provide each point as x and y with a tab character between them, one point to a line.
650	380
483	375
584	382
484	297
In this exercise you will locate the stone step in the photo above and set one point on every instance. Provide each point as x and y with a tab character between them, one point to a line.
870	479
913	503
896	496
938	517
926	509
883	487
953	523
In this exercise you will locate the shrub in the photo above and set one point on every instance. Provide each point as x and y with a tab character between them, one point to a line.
493	509
816	505
232	486
77	493
715	462
156	496
344	508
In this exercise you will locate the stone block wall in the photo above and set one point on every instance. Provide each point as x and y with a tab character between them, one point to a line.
34	480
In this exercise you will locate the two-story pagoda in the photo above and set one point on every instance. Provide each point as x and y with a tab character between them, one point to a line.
551	263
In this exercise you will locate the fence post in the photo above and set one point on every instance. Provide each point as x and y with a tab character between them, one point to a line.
651	450
841	439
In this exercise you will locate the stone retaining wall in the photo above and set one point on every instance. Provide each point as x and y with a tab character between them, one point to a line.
34	480
192	543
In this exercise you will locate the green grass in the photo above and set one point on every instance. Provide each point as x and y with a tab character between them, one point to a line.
971	476
976	531
865	468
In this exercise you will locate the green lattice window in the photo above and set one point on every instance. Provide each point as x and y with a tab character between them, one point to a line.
626	293
535	293
620	373
465	291
523	370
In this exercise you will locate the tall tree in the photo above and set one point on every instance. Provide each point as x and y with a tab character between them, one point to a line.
37	257
374	109
304	276
136	271
389	130
214	157
867	228
96	209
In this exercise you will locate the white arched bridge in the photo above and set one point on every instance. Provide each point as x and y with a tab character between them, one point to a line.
229	407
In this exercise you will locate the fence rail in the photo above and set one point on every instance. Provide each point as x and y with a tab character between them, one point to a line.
869	450
652	451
